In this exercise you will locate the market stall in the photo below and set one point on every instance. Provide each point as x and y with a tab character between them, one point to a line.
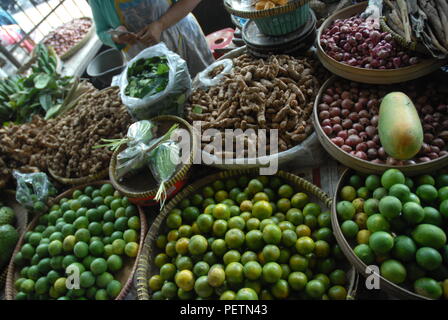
291	168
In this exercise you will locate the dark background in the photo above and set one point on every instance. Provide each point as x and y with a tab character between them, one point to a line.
212	16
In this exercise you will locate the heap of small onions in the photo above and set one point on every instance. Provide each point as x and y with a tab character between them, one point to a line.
355	42
348	114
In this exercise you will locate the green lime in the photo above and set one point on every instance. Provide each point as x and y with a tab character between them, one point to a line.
390	207
113	289
305	245
379	193
272	234
427	193
377	222
315	289
372	182
413	213
262	210
345	210
400	191
272	272
254	239
404	248
432	216
349	229
381	242
299	200
234	238
285	191
202	288
312	209
348	193
114	263
391	177
104	279
394	271
428	258
428	287
365	253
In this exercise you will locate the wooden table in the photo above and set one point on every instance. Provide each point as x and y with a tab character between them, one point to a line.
77	64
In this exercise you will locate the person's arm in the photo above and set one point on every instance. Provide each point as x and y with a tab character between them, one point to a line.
102	27
151	34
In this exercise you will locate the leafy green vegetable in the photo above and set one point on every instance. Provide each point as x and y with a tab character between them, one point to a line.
43	92
147	77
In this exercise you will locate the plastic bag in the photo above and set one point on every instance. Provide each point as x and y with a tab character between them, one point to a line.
33	189
307	153
163	164
203	79
141	142
169	101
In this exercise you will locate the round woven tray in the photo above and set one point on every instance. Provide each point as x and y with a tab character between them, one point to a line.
363	165
125	276
234	7
21	223
146	266
395	290
373	76
138	186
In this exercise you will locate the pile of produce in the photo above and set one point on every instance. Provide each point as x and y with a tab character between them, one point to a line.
424	21
65	144
400	224
355	42
277	93
349	114
147	77
265	5
248	239
44	92
65	37
94	231
8	234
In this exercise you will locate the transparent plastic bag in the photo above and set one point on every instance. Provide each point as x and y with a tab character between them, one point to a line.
33	188
141	142
164	161
170	100
203	79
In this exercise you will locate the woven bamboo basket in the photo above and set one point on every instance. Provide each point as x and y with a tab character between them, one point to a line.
277	21
125	276
373	76
21	223
363	165
146	266
395	290
309	148
141	188
80	44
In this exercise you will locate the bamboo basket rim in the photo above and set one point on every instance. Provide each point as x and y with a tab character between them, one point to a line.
146	258
410	45
259	14
369	74
181	173
126	288
359	265
356	163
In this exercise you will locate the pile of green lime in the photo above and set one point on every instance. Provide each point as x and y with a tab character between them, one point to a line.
248	239
400	224
78	248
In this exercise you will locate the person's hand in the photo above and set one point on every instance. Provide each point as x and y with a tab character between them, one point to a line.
125	39
151	34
